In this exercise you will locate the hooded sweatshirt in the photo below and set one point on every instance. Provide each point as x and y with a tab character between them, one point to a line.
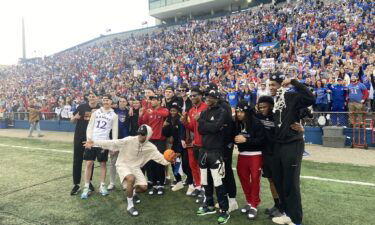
132	153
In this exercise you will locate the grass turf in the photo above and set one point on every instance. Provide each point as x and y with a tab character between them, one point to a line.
35	188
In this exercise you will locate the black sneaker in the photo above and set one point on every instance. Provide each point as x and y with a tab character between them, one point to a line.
195	193
75	190
91	187
136	199
160	190
206	210
252	214
153	191
133	211
245	209
223	218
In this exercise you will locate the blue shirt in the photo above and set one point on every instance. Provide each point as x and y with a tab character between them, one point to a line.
233	99
338	94
356	92
123	123
321	96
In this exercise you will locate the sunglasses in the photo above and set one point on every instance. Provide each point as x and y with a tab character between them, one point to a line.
181	90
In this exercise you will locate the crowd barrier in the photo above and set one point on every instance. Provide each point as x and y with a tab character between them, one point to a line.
313	126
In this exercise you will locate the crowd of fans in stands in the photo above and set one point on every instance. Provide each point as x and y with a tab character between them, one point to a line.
322	44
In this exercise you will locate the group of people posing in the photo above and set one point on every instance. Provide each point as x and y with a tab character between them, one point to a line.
201	128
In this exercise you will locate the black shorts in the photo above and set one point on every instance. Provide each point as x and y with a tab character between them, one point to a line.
95	153
210	159
267	166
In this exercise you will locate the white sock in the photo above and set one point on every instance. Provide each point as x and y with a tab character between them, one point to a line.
130	203
87	185
198	187
134	193
102	184
191	186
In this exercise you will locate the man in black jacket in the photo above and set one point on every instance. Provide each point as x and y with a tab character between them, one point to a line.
289	145
211	127
229	130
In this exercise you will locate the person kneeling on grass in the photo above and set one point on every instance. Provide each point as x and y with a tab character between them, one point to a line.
134	153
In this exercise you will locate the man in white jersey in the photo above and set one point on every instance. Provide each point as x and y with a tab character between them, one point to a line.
101	123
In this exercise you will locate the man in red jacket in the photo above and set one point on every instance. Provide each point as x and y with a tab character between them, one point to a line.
191	123
155	117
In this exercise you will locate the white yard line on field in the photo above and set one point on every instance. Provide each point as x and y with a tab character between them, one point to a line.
304	177
336	181
41	149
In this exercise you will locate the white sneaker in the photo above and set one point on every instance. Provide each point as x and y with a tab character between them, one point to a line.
284	219
190	190
178	186
233	205
111	187
103	190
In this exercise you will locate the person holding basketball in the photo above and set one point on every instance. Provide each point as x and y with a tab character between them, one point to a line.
134	153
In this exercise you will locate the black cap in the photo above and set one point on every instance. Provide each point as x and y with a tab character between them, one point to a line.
213	93
196	89
278	77
243	106
175	105
184	86
142	130
212	86
169	88
266	99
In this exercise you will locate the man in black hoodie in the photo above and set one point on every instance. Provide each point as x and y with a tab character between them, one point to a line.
211	127
289	145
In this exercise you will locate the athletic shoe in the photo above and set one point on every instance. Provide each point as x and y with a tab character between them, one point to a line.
195	192
85	193
253	212
111	187
245	209
200	200
75	190
153	191
233	205
91	187
133	211
190	190
103	190
160	190
223	218
136	199
206	210
178	186
284	219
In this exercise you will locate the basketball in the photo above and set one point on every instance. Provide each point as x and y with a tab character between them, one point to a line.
169	155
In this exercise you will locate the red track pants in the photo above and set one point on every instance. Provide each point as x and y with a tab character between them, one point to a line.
249	170
193	162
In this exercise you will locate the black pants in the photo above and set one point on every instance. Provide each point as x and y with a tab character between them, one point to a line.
210	164
286	171
229	181
156	171
79	149
186	167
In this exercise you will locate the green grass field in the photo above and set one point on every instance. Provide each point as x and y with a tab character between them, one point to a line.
35	187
